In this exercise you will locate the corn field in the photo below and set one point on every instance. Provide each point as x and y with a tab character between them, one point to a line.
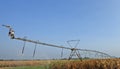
87	64
65	64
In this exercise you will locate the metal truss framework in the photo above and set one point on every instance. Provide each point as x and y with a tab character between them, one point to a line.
80	53
87	53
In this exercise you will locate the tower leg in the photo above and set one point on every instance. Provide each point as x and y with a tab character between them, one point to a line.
78	55
75	52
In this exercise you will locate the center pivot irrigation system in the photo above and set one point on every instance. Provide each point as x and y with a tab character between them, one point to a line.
80	53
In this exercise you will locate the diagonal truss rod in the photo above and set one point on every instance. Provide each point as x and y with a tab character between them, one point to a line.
63	47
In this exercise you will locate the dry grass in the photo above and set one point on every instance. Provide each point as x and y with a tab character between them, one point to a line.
4	64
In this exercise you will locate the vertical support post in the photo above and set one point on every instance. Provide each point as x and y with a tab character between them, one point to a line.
62	53
35	49
24	45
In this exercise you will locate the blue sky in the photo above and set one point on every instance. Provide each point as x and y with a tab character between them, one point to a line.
95	22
